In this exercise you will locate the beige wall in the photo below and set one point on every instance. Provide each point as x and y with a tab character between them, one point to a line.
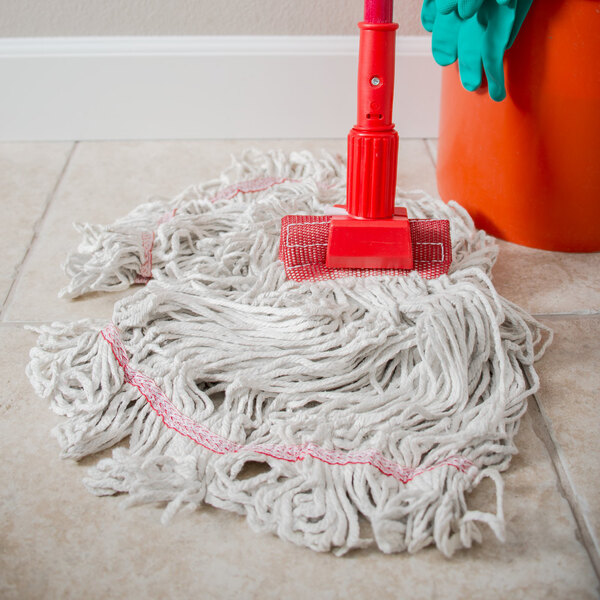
192	17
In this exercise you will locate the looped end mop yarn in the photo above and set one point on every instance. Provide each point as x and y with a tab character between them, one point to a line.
315	408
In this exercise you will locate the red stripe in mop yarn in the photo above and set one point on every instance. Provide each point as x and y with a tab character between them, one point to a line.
145	274
303	249
260	184
250	186
202	436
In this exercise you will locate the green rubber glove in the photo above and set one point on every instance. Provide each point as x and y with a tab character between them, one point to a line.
444	41
428	14
477	33
465	8
483	39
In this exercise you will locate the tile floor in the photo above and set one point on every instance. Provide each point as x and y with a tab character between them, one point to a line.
58	541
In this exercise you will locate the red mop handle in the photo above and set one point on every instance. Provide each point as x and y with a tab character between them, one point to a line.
373	142
379	11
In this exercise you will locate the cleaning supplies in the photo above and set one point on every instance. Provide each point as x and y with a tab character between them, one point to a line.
477	33
369	233
334	414
526	168
309	408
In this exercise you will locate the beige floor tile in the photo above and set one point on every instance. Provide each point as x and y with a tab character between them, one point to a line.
28	174
548	282
105	180
432	144
570	399
57	541
415	169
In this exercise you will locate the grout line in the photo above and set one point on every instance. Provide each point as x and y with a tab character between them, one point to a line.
576	314
37	227
428	145
543	430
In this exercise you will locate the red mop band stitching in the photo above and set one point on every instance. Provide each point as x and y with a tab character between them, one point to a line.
201	435
145	273
250	186
303	249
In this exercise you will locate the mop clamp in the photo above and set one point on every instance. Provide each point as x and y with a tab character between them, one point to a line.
373	233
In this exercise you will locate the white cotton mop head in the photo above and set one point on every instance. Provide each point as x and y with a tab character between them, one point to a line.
381	399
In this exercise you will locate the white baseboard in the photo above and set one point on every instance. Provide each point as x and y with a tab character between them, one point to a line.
201	87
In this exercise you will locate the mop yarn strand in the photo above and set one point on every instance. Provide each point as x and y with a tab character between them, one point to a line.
311	407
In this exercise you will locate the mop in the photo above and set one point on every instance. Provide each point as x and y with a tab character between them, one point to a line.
338	409
369	235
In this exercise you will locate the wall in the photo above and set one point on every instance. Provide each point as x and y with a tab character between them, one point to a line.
191	69
50	18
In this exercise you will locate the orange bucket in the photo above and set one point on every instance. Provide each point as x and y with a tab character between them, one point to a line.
528	169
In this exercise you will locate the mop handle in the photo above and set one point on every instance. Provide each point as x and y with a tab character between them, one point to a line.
376	67
379	11
373	142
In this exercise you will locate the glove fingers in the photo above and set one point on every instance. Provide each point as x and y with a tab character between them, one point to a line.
500	20
428	14
494	71
477	32
446	6
470	40
467	8
444	41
